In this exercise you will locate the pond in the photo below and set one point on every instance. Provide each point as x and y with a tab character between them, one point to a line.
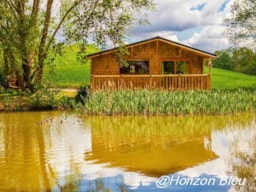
67	151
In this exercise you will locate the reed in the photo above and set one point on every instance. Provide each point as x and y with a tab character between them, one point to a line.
158	102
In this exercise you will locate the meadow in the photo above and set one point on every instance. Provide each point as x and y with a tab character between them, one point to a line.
225	79
67	71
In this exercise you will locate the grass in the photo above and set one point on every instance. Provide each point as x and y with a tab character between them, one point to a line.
158	102
225	79
67	71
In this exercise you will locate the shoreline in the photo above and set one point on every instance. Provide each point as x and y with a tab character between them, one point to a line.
139	102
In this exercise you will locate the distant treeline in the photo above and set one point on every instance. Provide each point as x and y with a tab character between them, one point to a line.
241	60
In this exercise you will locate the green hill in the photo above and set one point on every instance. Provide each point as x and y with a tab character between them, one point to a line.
68	72
225	79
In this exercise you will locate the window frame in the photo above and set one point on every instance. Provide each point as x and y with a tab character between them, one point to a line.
175	61
132	63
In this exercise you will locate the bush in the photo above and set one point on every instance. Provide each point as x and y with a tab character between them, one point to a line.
2	79
82	94
44	97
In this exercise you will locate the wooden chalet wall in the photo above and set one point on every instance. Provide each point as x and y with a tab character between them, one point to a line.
154	51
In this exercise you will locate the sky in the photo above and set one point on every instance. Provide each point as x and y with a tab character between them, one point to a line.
196	23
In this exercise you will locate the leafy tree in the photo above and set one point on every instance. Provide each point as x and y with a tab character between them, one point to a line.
244	60
241	23
223	60
28	30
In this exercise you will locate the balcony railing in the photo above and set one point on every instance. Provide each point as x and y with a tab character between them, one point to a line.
167	82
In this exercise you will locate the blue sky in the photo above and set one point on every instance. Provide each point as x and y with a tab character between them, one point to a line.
197	23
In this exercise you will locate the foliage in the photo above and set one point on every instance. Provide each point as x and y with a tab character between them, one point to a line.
243	166
157	102
244	60
222	61
44	97
238	59
82	94
28	31
241	23
2	79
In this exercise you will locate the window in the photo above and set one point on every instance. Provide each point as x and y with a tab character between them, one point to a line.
135	67
168	67
182	67
175	67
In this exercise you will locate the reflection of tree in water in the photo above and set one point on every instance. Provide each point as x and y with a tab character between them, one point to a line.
244	167
98	185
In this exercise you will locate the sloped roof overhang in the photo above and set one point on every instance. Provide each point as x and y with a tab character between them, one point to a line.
160	39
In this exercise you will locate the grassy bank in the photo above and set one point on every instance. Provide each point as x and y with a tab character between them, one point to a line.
67	71
170	103
138	102
225	79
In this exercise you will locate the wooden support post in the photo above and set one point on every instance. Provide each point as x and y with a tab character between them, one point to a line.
209	74
209	82
150	81
209	66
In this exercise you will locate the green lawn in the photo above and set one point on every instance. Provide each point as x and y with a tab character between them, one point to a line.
224	79
68	72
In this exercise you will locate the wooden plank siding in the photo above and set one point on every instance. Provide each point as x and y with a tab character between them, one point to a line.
105	69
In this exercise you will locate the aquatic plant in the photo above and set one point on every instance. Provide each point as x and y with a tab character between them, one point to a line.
158	102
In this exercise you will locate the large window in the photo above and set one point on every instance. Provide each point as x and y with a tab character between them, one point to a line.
175	67
135	67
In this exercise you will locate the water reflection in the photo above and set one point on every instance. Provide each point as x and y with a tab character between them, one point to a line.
151	146
60	151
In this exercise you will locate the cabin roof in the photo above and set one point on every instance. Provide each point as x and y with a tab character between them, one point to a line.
161	39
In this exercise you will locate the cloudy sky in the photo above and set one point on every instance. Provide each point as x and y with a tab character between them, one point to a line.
197	23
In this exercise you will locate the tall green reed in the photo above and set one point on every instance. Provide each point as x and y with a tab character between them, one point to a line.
158	102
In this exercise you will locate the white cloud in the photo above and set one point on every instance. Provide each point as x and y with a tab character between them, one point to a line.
210	39
173	17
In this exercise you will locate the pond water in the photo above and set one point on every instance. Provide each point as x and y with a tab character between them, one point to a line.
66	151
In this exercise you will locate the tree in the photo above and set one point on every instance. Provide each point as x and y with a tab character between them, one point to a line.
244	60
28	30
223	60
241	23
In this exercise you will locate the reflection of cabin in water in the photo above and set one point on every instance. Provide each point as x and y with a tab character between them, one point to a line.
138	144
153	63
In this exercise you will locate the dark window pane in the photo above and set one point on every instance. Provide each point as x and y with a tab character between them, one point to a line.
168	67
135	67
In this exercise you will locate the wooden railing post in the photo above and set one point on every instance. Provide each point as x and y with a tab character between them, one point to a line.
150	81
209	75
92	82
209	81
121	82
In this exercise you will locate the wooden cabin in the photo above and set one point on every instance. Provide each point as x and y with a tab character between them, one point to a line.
155	63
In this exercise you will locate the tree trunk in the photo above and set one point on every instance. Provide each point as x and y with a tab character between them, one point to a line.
42	51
